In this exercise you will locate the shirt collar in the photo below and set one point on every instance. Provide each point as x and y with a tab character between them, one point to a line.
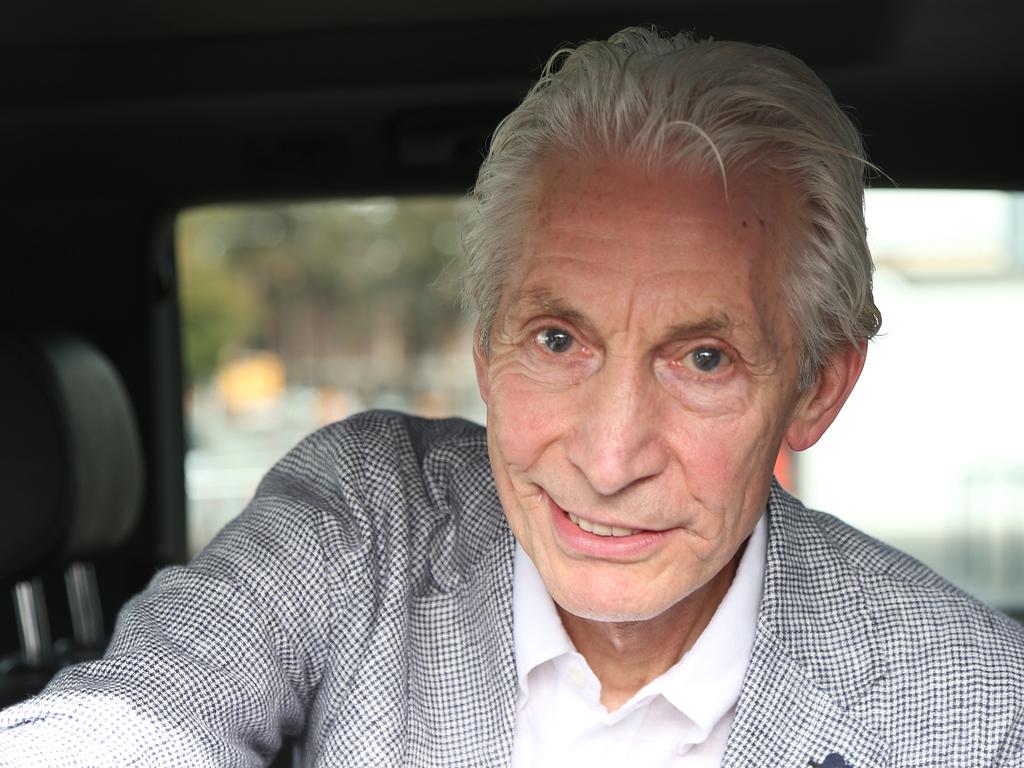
704	684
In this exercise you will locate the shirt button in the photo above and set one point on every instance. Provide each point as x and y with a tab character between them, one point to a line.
576	677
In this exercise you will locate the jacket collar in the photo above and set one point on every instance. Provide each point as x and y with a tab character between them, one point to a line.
816	653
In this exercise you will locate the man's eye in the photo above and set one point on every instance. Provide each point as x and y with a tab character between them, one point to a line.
555	340
706	359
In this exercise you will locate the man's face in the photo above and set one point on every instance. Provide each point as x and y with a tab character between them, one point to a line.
642	374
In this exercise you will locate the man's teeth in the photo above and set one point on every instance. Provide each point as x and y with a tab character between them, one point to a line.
599	528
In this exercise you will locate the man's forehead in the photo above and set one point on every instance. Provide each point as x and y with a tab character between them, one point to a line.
579	203
604	232
560	184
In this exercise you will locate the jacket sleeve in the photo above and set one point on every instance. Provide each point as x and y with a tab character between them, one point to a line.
215	661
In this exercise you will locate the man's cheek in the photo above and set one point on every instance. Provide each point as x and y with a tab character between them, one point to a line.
525	420
721	457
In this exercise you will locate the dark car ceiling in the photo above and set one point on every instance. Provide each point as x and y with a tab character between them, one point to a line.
191	98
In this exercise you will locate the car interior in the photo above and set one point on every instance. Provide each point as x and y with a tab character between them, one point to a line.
117	118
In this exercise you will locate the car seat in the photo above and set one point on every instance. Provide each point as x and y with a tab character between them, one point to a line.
72	470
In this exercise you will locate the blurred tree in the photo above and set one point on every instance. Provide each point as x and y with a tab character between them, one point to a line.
321	282
220	312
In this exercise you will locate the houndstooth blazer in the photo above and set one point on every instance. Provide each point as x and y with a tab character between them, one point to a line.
363	601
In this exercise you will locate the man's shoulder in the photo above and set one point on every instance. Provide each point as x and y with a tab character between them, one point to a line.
389	491
377	435
379	452
880	654
925	624
909	591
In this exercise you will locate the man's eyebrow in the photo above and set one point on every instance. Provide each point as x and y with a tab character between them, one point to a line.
542	301
716	322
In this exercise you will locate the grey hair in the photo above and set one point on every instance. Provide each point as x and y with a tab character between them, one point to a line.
700	105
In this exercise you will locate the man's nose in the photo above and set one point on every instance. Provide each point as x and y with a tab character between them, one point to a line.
617	439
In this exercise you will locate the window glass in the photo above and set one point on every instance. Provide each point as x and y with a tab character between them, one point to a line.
926	454
298	314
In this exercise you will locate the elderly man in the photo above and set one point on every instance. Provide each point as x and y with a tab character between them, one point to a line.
669	259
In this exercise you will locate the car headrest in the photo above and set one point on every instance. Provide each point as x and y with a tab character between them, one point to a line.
70	453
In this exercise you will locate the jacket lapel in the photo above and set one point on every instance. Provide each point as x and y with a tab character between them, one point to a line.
815	655
783	719
462	677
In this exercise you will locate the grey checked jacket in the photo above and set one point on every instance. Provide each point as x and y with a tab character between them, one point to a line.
364	601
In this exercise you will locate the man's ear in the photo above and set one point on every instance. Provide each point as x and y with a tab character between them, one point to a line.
820	404
481	364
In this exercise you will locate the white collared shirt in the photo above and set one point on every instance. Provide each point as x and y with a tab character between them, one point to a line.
681	718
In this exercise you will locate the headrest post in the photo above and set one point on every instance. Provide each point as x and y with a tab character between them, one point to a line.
33	624
84	601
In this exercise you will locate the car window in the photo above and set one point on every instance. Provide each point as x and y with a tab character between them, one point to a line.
301	313
926	453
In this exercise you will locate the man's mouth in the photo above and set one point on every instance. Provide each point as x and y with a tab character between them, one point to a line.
600	529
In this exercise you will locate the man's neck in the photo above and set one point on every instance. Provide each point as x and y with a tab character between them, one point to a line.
625	656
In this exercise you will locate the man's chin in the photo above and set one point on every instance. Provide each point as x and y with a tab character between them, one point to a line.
617	613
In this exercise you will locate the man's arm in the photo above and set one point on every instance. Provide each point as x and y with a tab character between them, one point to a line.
214	661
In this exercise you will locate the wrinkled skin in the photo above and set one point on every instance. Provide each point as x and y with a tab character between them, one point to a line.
642	373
